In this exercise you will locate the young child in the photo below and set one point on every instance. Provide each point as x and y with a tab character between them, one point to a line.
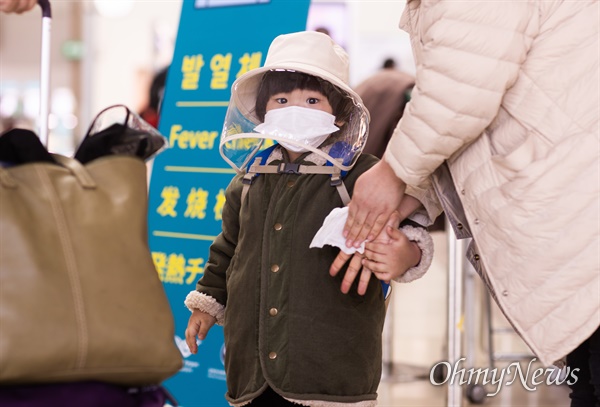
292	336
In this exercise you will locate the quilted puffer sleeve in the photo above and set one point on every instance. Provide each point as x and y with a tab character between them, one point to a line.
467	53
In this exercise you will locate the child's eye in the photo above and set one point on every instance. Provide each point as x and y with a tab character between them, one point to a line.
281	101
312	101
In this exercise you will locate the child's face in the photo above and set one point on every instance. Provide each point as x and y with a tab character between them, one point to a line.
310	99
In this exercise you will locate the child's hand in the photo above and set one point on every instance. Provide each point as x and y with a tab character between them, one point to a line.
351	272
390	256
198	325
358	260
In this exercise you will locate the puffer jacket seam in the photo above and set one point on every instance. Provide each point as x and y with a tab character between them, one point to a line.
408	171
550	311
469	84
484	26
553	103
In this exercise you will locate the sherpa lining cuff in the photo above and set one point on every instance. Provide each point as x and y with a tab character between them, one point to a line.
205	303
320	403
423	239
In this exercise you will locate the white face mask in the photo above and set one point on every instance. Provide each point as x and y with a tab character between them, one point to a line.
297	127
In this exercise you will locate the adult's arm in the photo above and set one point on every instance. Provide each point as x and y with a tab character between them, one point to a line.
467	54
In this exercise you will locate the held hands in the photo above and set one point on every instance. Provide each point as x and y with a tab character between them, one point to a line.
377	193
391	254
390	260
16	6
198	325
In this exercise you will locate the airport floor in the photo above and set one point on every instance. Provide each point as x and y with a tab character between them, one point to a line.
421	393
415	340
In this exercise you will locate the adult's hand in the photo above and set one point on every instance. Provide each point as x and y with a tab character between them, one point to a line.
17	6
408	205
377	193
389	260
357	259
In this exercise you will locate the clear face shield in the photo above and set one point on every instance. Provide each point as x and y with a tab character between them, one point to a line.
253	125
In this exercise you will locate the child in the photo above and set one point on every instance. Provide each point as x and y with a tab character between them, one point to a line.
291	335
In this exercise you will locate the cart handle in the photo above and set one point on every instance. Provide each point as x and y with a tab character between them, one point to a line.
46	9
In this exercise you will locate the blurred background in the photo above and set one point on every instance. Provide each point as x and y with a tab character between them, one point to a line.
109	52
106	52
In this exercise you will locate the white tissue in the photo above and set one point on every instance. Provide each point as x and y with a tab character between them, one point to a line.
331	232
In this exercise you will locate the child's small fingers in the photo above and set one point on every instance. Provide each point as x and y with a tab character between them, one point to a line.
351	273
373	265
373	256
338	263
382	275
363	282
377	247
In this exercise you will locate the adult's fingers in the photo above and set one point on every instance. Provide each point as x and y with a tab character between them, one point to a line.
370	229
364	223
394	220
16	6
377	193
357	216
27	5
396	235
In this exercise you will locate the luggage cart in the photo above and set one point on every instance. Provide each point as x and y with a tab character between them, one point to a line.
456	260
462	327
462	304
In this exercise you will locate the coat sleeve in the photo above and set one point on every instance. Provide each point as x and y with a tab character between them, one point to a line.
211	290
468	54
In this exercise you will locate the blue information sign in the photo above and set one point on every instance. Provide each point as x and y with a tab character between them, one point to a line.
218	40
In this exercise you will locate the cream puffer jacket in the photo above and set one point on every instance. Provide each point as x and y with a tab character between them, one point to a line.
507	94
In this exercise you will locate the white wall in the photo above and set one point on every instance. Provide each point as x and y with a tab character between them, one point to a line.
125	48
375	36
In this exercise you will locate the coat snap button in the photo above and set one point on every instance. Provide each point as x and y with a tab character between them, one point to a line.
462	191
505	293
459	226
275	268
278	226
273	312
476	221
272	355
290	184
476	257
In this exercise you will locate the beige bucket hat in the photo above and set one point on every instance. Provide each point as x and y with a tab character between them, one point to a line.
310	52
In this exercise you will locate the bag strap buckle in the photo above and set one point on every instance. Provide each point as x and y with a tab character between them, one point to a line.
288	168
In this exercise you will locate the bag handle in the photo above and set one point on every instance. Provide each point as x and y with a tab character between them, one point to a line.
71	164
77	169
6	180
